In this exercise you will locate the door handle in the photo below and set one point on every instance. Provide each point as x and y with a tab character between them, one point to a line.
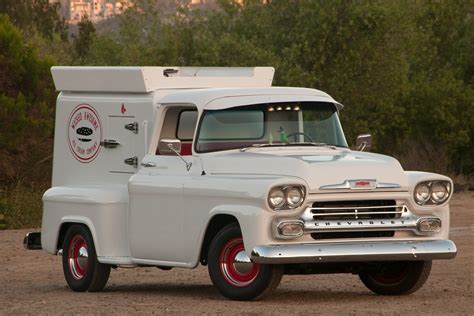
109	143
132	127
132	161
148	164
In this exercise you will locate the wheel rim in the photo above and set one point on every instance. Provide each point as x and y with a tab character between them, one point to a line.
392	274
78	257
236	267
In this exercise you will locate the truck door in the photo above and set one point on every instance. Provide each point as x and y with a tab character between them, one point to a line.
123	143
157	213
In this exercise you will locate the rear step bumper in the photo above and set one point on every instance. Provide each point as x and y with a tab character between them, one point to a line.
32	241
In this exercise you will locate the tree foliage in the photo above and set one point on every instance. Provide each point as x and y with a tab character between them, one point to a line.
403	70
35	15
26	103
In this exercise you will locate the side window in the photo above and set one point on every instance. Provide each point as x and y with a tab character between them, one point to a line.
186	125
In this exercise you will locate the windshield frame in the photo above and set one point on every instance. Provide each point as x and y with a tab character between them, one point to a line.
201	118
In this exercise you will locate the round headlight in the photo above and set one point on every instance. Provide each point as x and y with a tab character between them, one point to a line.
439	192
422	193
294	197
276	198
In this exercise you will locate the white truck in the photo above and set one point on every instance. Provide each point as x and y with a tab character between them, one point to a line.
181	166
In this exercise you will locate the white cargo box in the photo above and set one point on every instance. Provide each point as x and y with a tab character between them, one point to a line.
101	105
148	79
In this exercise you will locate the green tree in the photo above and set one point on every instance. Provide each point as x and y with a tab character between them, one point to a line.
26	104
35	15
83	42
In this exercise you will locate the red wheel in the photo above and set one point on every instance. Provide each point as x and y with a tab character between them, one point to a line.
232	271
78	257
81	269
397	278
236	266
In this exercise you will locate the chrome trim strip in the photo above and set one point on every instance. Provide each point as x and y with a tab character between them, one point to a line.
386	185
339	186
352	185
355	213
399	209
354	252
356	207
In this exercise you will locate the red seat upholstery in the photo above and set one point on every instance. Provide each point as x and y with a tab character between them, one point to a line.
186	149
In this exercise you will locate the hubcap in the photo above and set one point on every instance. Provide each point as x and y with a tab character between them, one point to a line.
78	257
236	267
392	273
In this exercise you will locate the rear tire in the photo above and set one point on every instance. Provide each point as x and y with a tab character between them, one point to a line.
397	278
81	269
232	272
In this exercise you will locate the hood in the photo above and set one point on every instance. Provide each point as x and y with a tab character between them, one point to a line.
318	166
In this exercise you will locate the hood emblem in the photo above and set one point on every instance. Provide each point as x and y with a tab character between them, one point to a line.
360	184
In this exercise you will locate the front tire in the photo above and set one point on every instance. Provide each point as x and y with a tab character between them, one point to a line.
81	269
232	271
397	278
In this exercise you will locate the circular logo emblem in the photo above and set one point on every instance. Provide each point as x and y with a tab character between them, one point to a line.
84	133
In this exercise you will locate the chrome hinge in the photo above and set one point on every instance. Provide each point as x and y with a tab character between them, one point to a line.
132	161
132	127
109	143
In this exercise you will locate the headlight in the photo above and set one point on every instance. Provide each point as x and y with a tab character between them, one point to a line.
276	198
294	197
422	193
432	192
439	192
286	197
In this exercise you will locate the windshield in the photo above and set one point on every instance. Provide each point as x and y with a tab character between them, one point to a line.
276	124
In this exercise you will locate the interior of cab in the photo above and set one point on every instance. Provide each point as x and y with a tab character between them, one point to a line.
179	123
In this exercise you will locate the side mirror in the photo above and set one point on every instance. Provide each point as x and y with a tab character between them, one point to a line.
169	146
364	142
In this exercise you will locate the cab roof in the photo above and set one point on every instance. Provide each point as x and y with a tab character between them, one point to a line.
220	98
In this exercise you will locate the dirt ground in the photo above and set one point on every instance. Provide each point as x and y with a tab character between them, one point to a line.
31	282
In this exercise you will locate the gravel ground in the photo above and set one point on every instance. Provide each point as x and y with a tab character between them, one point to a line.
31	282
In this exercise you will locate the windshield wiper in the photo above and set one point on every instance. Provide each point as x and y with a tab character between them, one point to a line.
288	144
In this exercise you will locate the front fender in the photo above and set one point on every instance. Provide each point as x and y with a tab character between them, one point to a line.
241	196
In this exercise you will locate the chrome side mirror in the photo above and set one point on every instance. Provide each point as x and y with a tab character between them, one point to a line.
364	142
169	146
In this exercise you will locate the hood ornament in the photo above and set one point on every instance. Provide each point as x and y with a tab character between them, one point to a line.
360	184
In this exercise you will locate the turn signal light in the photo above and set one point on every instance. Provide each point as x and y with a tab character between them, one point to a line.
429	225
290	229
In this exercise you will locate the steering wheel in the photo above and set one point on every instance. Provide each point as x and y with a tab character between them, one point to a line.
301	133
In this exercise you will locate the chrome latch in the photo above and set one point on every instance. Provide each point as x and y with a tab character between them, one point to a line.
109	143
132	161
132	127
148	164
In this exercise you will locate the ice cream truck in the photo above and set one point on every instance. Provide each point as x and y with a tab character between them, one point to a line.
174	167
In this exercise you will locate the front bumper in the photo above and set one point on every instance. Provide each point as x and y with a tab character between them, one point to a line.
355	252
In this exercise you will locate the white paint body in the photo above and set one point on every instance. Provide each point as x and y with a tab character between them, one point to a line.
159	215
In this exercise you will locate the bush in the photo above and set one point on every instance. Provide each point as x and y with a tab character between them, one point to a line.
21	206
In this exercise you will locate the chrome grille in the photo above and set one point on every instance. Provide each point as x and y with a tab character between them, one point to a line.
353	210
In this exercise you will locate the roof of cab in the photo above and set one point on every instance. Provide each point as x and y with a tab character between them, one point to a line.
219	98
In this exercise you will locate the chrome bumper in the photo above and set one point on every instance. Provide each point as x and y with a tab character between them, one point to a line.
32	241
355	252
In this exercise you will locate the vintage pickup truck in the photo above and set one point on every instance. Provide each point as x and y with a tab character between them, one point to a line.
176	166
